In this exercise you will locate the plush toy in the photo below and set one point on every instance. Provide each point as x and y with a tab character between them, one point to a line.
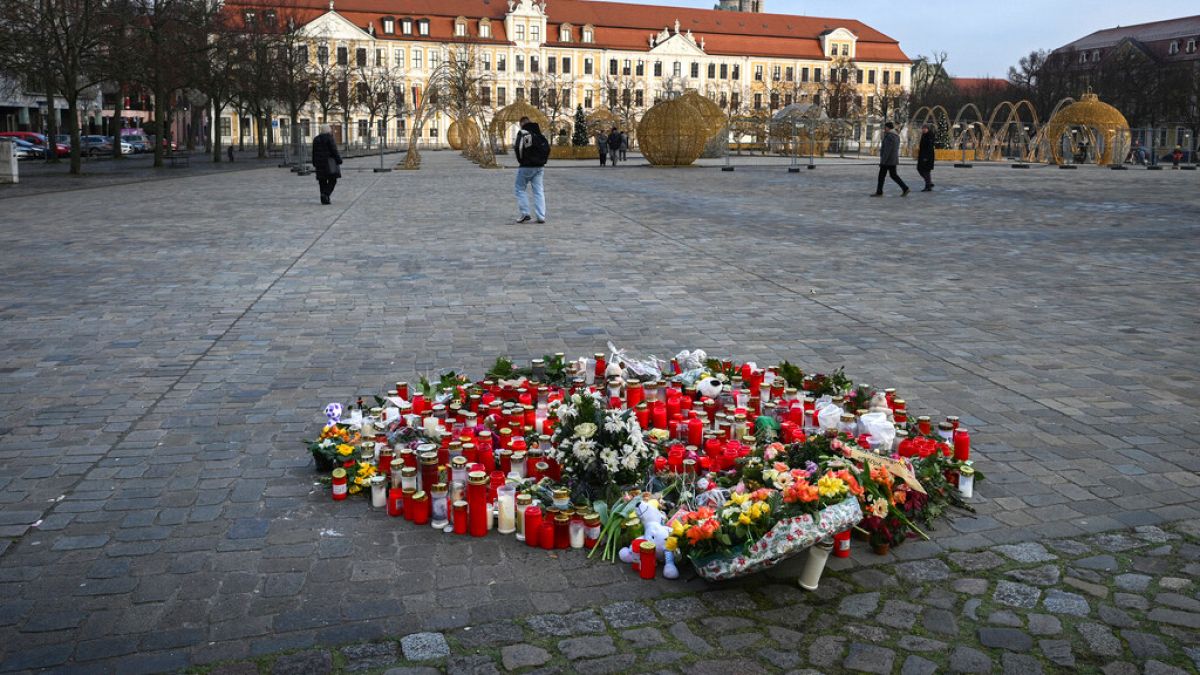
654	529
333	412
710	387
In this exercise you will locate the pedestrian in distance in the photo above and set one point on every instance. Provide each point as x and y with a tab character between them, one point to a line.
1176	157
327	162
889	159
926	157
533	151
624	144
229	152
614	145
602	145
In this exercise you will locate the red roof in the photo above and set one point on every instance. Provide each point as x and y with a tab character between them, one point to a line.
979	83
617	25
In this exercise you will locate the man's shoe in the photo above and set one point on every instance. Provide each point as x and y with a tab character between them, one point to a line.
905	193
928	188
541	221
876	194
525	219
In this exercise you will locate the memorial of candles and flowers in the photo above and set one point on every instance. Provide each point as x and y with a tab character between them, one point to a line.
697	464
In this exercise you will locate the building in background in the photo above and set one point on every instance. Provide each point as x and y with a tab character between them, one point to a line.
557	54
741	5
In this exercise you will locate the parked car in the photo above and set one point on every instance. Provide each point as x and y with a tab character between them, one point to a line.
138	142
38	140
94	146
24	149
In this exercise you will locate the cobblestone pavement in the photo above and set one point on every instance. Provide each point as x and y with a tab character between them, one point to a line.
162	357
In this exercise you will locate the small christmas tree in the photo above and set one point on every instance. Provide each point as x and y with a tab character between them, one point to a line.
580	137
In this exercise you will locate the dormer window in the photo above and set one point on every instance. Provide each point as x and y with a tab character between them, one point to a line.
535	33
485	28
564	33
389	25
423	26
249	17
269	17
1083	57
1174	48
520	32
1191	46
460	27
1096	56
845	50
589	34
406	26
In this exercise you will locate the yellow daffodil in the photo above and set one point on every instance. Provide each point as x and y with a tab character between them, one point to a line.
678	529
830	486
738	498
344	449
744	519
672	544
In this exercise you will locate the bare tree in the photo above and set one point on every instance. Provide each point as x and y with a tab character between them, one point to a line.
294	80
426	101
464	80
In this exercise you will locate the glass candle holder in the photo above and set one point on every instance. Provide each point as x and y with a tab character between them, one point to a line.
378	491
506	506
439	506
366	451
477	505
562	498
340	484
591	531
517	464
408	478
576	531
924	426
946	431
420	504
459	514
562	531
540	470
966	482
504	461
546	535
647	560
532	516
406	509
524	501
395	502
458	470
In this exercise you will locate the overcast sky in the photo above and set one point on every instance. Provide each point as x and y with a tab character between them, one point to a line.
980	38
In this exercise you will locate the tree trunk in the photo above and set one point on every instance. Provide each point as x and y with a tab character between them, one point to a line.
294	125
197	122
214	129
160	101
51	123
259	137
73	129
116	125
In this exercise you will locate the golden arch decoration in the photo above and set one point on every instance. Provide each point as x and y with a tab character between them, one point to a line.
510	115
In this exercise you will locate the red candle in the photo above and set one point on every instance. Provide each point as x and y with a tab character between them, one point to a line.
673	406
695	430
636	548
729	459
643	415
962	445
647	560
477	503
546	535
395	503
340	488
634	394
923	425
659	415
562	531
420	503
418	404
601	366
406	504
459	515
402	390
533	525
675	459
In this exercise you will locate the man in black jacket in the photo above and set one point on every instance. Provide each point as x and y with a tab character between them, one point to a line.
532	150
926	157
327	161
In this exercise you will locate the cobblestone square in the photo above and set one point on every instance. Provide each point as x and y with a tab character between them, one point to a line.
166	346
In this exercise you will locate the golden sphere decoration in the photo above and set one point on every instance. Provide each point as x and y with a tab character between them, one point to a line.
672	133
714	118
456	137
1102	125
510	115
601	119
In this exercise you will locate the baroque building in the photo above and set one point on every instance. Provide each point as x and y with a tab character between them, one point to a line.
559	54
741	5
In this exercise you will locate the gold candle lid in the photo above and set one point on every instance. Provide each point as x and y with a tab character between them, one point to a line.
477	478
459	462
459	504
339	472
419	495
439	487
524	499
647	546
409	472
429	457
562	518
562	493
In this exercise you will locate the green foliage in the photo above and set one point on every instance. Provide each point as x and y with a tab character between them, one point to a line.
502	369
446	382
766	430
791	374
833	384
580	137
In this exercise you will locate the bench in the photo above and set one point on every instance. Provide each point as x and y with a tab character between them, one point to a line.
178	160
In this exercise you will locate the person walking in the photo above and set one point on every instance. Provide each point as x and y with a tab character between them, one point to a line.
614	145
327	161
926	157
889	159
532	150
602	145
624	144
1176	157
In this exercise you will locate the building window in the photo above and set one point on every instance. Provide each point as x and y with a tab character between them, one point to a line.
485	28
343	56
887	78
501	63
460	28
588	34
870	77
227	126
758	73
487	62
551	65
520	31
566	97
896	78
1096	56
804	74
587	99
712	71
845	50
858	77
398	58
724	71
787	100
641	68
564	34
817	75
566	65
1083	57
379	58
627	69
520	63
757	101
612	97
776	74
423	26
677	69
639	98
734	101
790	74
658	68
533	64
417	58
612	66
501	96
1191	47
535	33
323	54
389	26
587	66
737	72
433	131
435	57
535	97
774	100
406	26
695	69
520	93
833	49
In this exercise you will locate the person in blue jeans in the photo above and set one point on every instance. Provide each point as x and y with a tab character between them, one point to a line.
532	150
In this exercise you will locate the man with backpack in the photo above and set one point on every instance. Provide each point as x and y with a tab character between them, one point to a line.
532	150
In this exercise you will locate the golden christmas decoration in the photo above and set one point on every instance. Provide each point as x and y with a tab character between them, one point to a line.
462	135
1090	121
511	115
673	133
714	118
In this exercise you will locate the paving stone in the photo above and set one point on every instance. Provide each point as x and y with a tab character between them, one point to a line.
369	656
726	666
1132	582
730	600
921	571
1058	652
1130	601
489	634
1069	547
523	656
1116	541
1020	664
690	640
1044	624
784	637
1062	602
726	624
968	660
1026	552
424	646
738	641
639	638
1045	575
914	643
235	669
916	665
780	658
939	621
1154	667
472	664
970	586
789	616
1174	583
576	623
860	605
971	608
898	614
976	561
586	647
1177	601
1175	617
826	651
664	656
1102	563
617	663
1016	595
627	614
412	670
1003	617
873	578
1100	639
1011	639
1094	590
680	609
869	659
303	663
1115	617
1119	668
1144	645
1194	654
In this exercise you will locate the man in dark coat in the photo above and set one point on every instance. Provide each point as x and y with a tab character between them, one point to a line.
926	157
327	161
614	145
889	159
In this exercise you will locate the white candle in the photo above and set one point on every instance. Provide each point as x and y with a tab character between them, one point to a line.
508	511
378	492
432	428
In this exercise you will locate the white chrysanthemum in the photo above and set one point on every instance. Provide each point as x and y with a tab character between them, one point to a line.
585	430
630	462
614	425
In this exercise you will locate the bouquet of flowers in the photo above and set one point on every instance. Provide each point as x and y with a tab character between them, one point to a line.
335	445
599	449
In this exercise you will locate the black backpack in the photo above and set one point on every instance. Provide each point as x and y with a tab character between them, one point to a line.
538	152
